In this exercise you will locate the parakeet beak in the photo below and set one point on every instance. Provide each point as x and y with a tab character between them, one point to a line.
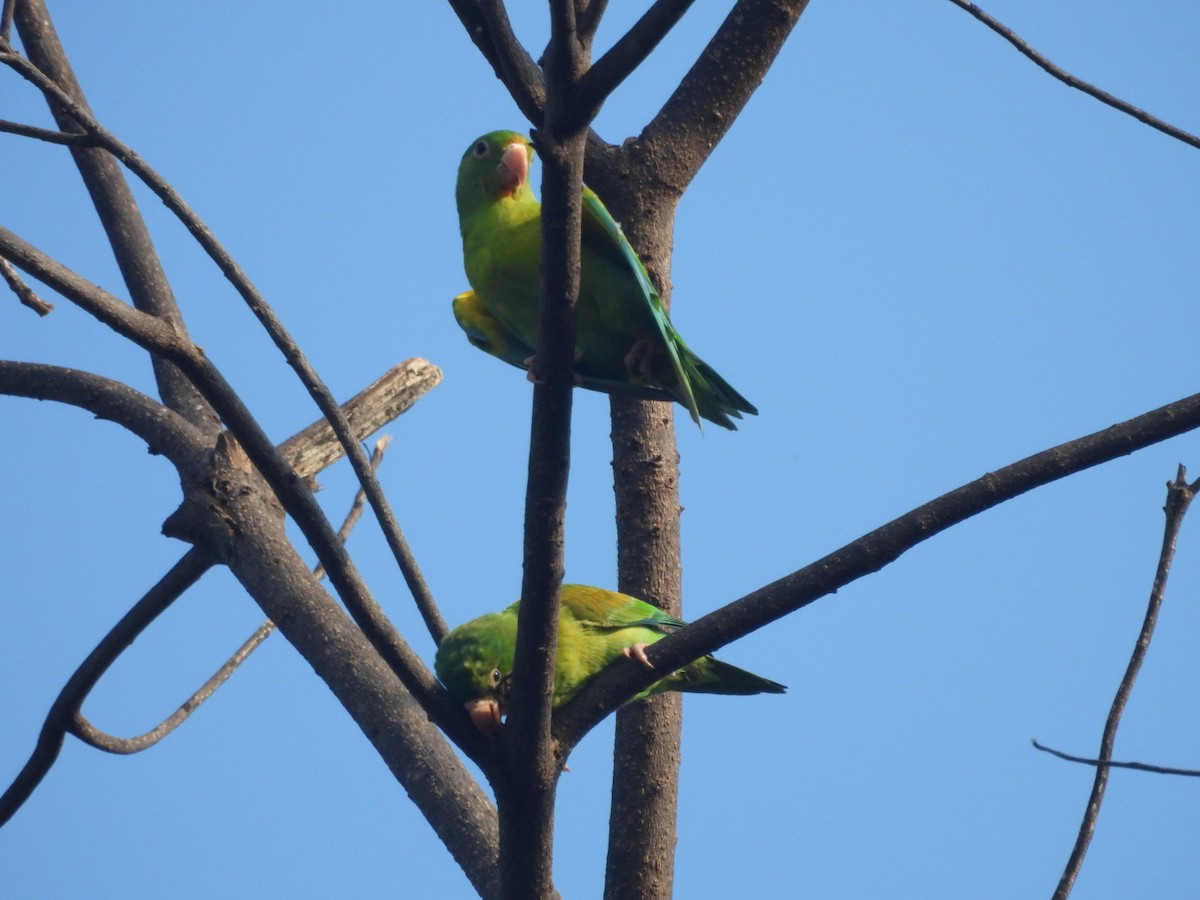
513	170
485	715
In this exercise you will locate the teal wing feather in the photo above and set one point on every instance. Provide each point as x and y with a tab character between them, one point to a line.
599	223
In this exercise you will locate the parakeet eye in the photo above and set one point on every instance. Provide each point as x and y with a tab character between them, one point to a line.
481	149
500	683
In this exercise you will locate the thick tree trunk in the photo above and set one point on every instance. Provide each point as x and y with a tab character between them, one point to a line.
646	755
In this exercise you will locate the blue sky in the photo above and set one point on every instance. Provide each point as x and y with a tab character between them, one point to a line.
917	254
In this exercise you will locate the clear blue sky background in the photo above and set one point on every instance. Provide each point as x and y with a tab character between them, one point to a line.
921	258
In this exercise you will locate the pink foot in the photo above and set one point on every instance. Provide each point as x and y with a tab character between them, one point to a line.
533	377
638	652
640	356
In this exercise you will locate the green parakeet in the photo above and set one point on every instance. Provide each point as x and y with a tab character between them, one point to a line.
595	627
625	342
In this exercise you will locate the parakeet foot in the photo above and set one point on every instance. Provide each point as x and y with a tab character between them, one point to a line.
640	357
638	652
532	376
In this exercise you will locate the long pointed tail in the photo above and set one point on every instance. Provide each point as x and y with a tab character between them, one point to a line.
716	399
711	676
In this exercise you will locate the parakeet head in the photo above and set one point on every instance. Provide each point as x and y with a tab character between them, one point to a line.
495	167
474	662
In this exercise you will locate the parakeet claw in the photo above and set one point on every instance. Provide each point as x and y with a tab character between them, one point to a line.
638	652
640	356
532	376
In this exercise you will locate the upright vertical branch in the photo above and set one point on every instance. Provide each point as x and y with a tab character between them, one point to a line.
117	210
1179	498
526	799
646	754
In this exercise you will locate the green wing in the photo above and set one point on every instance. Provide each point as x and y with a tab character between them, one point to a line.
608	609
492	336
625	342
606	236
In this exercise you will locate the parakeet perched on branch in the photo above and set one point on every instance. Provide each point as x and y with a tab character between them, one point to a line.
625	343
595	627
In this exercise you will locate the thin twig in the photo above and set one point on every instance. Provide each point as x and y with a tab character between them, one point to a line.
270	322
116	209
182	575
23	291
1179	497
1113	764
1072	81
101	740
46	134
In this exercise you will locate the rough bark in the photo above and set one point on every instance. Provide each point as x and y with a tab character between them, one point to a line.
646	753
231	513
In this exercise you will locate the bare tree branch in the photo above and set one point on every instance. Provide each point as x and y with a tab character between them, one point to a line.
132	247
719	85
157	336
865	555
6	20
164	431
1113	764
270	322
620	60
526	797
588	14
46	134
101	740
1072	81
182	575
105	307
369	409
264	561
256	547
1179	498
23	291
487	23
393	393
89	734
